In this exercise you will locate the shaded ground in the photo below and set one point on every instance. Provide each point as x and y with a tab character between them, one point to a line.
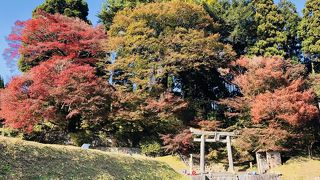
29	160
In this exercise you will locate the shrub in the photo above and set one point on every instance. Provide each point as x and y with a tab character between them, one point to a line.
150	148
80	138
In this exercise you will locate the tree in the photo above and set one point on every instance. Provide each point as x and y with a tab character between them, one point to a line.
111	7
237	22
292	105
47	36
60	86
136	117
293	45
59	92
275	98
169	46
270	36
180	143
309	31
1	83
70	8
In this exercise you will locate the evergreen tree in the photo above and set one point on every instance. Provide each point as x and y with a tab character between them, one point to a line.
1	83
270	36
71	8
237	22
309	30
292	46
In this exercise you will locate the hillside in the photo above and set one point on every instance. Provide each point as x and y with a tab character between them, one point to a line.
299	168
29	160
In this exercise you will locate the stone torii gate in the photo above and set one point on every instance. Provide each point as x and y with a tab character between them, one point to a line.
213	136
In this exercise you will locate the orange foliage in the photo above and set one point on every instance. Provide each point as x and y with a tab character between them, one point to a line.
291	104
275	98
265	74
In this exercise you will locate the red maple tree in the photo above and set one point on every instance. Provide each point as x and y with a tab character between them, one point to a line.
60	86
276	98
48	36
56	91
292	104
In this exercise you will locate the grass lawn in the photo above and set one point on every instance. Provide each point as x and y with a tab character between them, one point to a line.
299	169
29	160
175	163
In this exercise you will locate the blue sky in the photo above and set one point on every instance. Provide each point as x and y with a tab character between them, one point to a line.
13	10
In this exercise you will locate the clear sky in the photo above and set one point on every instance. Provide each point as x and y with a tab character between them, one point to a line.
13	10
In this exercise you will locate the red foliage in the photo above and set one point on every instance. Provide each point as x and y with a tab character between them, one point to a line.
17	108
60	84
273	91
180	143
265	74
291	104
47	36
55	91
275	98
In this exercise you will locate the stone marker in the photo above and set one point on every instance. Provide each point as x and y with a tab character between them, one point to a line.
85	146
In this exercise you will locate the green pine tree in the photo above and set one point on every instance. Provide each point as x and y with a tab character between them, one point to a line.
237	22
1	83
309	31
292	46
271	39
71	8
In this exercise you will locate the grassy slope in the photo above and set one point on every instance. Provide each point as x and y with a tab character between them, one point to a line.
174	162
29	160
299	168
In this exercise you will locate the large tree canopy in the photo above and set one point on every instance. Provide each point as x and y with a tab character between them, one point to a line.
309	32
60	86
275	98
46	36
59	92
169	46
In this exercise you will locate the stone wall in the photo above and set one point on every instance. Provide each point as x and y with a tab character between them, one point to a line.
124	150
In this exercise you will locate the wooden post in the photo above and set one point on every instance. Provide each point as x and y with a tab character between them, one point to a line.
312	68
190	164
230	169
202	167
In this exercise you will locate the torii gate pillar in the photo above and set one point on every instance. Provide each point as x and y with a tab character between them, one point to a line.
202	155
230	159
